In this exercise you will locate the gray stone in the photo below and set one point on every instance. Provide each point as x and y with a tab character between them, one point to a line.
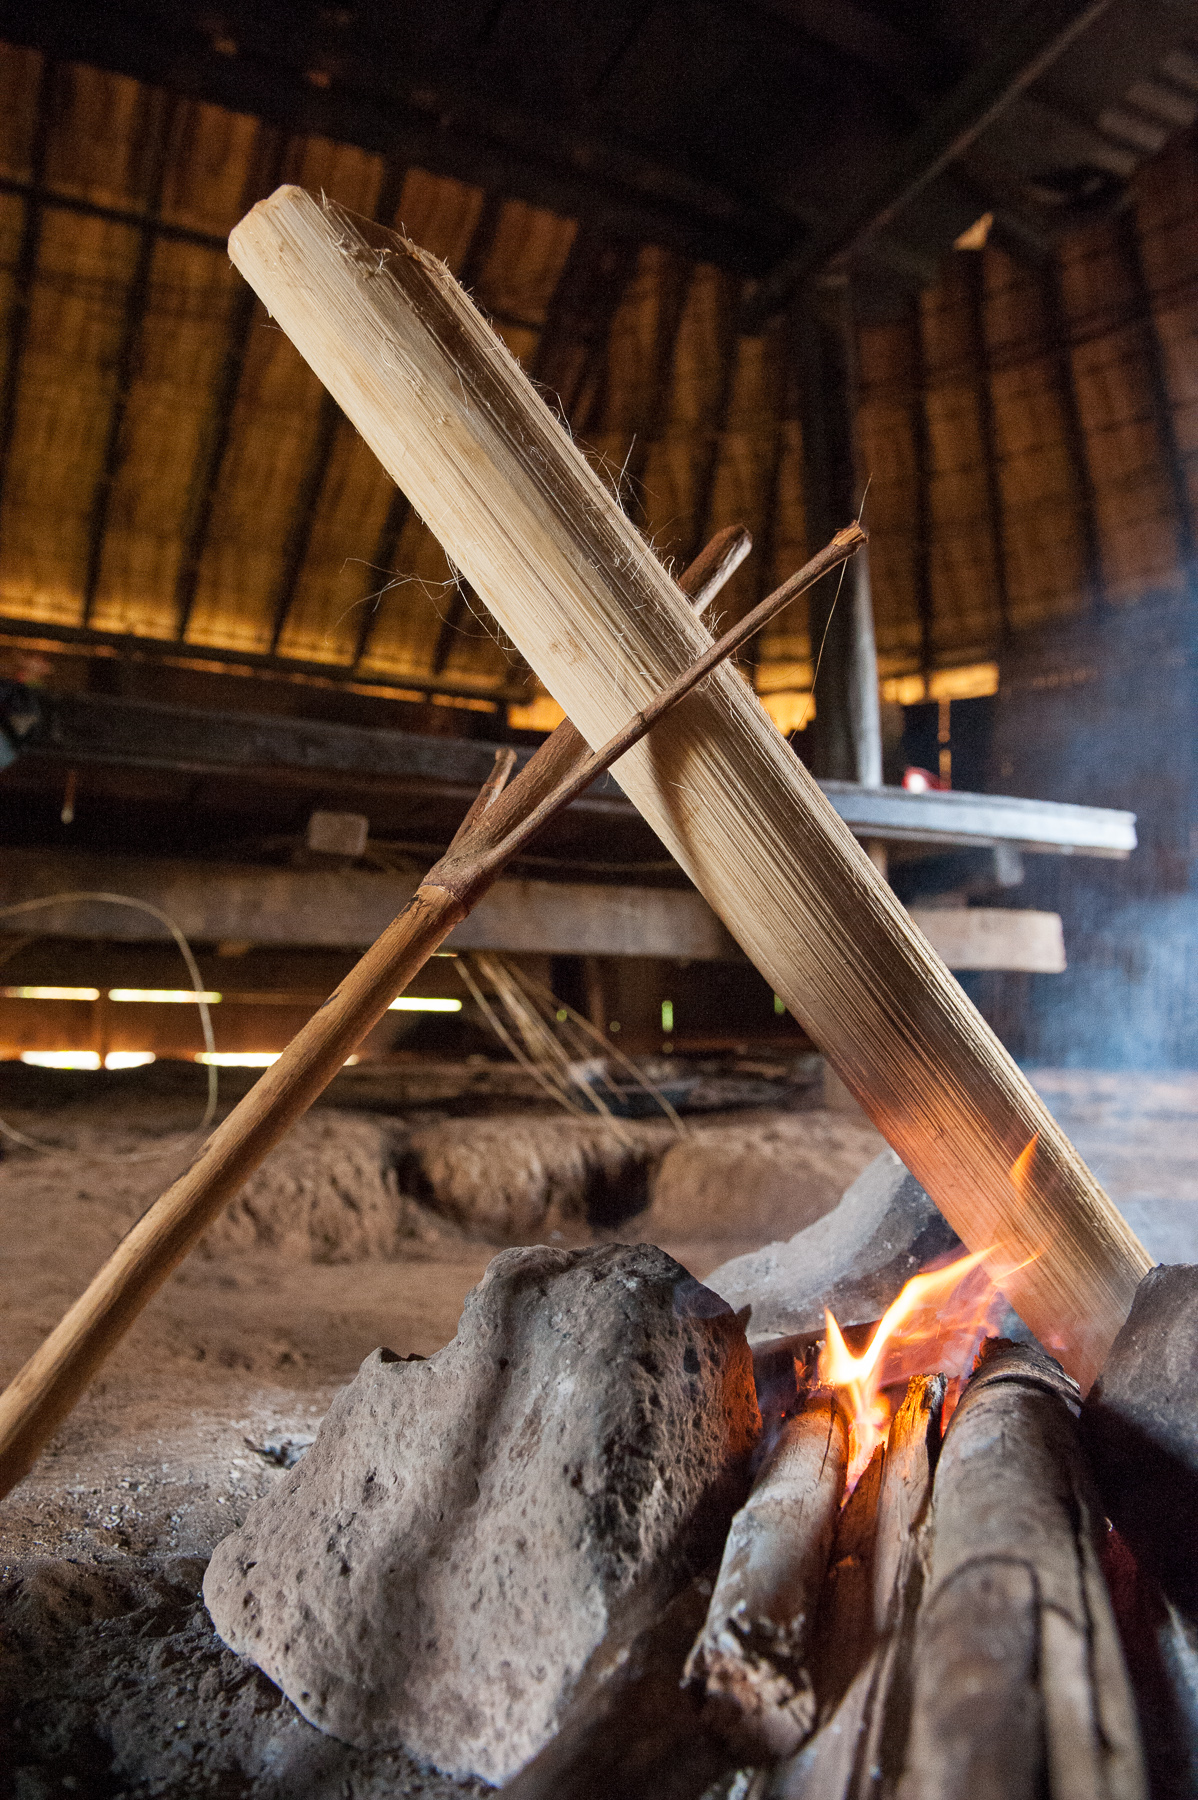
466	1531
855	1260
1140	1427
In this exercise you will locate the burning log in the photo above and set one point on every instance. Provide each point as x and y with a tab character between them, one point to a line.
1019	1685
868	1614
545	545
751	1658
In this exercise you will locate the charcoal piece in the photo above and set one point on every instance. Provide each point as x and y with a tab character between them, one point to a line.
466	1531
855	1260
1141	1430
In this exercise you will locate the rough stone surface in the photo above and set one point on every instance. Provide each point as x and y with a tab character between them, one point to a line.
769	1174
508	1178
1140	1426
855	1260
464	1532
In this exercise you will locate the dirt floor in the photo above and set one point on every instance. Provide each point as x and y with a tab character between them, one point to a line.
111	1679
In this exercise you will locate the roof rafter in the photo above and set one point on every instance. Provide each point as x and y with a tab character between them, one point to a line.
23	275
163	111
271	150
1060	350
975	289
324	440
1128	235
1021	55
371	98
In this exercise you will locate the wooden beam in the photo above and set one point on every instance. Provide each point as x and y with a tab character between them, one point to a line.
348	909
974	263
543	542
845	734
38	634
994	937
270	149
17	331
673	287
1021	53
164	111
1060	348
303	515
398	512
921	535
382	97
1128	237
708	461
51	199
90	730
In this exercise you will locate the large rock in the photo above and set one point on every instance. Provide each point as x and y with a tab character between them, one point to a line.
855	1260
465	1531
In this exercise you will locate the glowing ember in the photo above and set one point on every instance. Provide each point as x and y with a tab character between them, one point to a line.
936	1325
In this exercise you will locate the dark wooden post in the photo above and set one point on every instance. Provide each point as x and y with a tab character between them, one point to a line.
846	735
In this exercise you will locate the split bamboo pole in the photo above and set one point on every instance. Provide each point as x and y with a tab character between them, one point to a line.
518	509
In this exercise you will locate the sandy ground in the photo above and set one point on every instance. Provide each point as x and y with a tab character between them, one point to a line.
111	1680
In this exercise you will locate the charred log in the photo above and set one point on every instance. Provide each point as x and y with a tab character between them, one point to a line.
1019	1682
751	1659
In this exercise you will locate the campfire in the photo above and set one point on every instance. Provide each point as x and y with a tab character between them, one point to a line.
602	1545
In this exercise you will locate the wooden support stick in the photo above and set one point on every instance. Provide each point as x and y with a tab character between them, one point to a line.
543	542
43	1392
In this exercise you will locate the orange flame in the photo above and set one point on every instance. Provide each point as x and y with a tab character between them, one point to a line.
936	1324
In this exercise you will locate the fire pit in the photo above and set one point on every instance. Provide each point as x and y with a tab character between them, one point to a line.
573	1553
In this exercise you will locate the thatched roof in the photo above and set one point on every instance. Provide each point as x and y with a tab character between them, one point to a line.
172	477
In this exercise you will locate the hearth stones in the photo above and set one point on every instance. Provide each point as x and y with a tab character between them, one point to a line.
1141	1429
855	1260
465	1531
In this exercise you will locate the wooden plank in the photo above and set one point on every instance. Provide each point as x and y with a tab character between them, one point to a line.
517	507
994	937
348	910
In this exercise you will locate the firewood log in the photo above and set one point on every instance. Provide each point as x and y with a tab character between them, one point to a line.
751	1658
545	545
1019	1686
868	1615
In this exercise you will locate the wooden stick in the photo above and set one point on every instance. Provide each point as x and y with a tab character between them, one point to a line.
752	1657
543	542
43	1392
